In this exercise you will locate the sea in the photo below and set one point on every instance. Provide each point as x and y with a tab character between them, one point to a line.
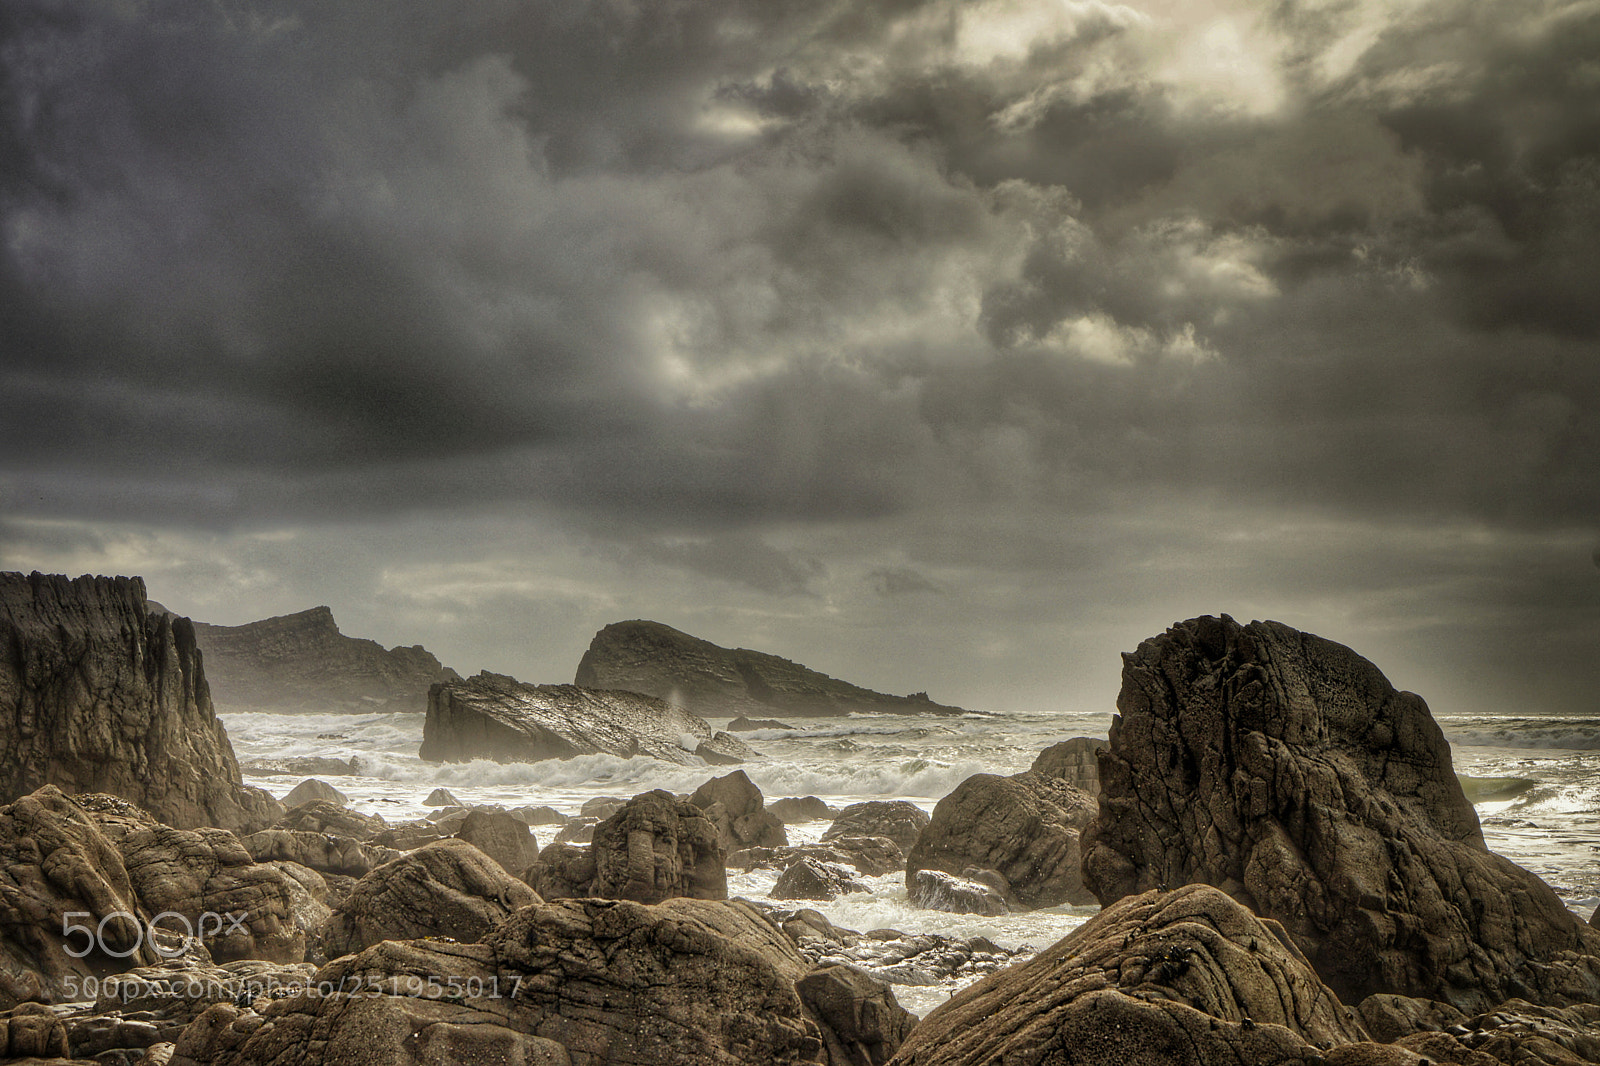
1534	780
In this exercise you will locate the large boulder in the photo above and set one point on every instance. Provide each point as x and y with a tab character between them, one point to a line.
492	716
796	809
1025	827
312	789
568	983
810	879
448	888
736	807
900	820
1185	978
502	836
1286	770
657	847
1075	761
106	695
562	871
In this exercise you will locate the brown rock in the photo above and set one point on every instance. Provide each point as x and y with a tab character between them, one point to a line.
939	891
736	807
657	847
325	853
1075	761
1025	828
312	789
899	820
872	856
562	871
107	696
801	809
1285	769
810	879
501	836
862	1024
320	816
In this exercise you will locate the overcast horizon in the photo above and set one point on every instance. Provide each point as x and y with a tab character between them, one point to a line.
943	345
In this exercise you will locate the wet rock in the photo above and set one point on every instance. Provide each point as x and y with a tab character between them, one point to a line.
320	816
449	889
601	807
502	837
899	820
862	1024
325	853
801	809
312	789
442	797
1075	761
107	695
810	879
657	847
939	891
307	766
1287	770
1026	828
872	856
736	807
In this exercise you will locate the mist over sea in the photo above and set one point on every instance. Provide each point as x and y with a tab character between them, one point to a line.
1535	782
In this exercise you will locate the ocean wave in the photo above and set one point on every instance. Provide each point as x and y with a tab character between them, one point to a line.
1542	733
1487	789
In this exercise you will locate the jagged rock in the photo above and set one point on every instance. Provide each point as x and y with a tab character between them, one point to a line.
724	749
323	852
900	820
1025	828
502	837
448	819
302	662
746	725
939	891
799	809
1179	977
657	660
32	1030
442	797
562	871
1285	769
736	807
492	716
658	847
1075	761
172	993
448	888
682	983
55	861
312	789
106	696
320	816
809	879
872	856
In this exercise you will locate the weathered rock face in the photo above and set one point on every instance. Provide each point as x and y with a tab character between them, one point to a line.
492	716
448	888
736	807
1284	769
1075	761
1025	827
301	661
563	871
871	855
105	696
504	838
1185	978
322	852
655	848
683	983
320	816
900	820
655	659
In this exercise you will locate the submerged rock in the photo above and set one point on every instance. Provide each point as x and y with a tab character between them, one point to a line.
872	856
809	879
1285	769
492	716
939	891
442	797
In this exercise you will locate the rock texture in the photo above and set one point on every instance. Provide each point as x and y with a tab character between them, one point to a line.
311	789
809	878
900	820
100	694
736	807
939	891
323	852
797	809
492	716
302	662
1186	978
873	856
1026	828
683	983
500	835
448	888
701	677
658	847
1075	761
1286	770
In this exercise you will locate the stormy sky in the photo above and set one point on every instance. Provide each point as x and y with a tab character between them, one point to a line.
945	345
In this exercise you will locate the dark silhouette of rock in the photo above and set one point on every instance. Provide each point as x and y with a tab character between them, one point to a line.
657	660
501	836
808	878
326	853
939	891
312	789
658	847
302	662
746	725
492	716
736	807
442	797
1075	761
106	696
1286	770
683	983
1026	828
900	820
448	888
800	809
1161	979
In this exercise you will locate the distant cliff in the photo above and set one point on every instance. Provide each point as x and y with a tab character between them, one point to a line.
98	693
302	662
713	681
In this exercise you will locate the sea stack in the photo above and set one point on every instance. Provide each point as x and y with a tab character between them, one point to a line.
107	696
